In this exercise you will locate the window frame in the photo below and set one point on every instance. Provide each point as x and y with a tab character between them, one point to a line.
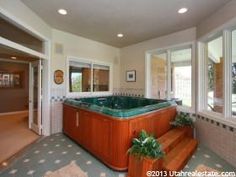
168	51
204	109
225	117
91	92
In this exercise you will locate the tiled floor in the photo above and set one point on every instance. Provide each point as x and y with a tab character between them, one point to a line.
56	151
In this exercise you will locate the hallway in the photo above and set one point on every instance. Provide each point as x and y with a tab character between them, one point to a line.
14	134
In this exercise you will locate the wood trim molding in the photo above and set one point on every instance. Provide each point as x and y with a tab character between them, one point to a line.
15	112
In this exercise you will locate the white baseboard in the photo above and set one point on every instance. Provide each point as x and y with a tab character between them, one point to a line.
16	112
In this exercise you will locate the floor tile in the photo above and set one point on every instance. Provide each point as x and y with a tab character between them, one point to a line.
56	151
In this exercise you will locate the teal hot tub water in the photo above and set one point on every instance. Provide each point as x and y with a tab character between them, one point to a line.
119	106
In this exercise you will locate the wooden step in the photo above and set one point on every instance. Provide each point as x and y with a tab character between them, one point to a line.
177	158
171	139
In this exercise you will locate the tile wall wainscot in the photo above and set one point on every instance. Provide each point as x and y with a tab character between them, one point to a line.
57	98
218	137
129	92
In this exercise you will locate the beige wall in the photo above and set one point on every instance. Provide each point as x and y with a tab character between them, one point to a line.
15	99
133	57
82	48
224	15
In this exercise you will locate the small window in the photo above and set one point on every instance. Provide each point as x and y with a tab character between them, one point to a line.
100	78
80	77
88	76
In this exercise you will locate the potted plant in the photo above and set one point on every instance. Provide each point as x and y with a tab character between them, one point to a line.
184	121
145	155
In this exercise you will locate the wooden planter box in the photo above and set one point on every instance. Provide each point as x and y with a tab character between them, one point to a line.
138	167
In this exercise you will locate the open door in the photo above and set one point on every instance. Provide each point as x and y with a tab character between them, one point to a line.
35	97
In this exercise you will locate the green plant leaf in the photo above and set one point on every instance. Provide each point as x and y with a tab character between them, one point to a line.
146	146
182	120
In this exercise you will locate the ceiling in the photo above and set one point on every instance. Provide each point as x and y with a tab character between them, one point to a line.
138	20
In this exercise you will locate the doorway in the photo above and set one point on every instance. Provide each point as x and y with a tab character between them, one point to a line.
21	110
16	35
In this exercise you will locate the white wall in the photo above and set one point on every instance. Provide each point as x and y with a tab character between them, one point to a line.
82	48
133	57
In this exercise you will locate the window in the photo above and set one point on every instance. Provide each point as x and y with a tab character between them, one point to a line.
159	76
215	74
88	76
80	77
181	76
100	78
169	75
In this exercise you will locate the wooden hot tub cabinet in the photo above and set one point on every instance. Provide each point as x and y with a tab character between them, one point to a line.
109	138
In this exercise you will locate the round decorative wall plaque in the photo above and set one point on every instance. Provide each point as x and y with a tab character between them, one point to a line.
58	77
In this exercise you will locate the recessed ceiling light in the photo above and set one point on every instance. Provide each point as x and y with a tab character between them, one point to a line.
13	58
120	35
62	11
182	10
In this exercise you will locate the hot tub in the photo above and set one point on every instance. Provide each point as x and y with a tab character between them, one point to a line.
119	106
105	126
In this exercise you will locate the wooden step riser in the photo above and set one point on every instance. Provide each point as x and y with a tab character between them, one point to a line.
173	144
185	132
179	163
184	162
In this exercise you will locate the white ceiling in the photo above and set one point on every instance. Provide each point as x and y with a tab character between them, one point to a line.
138	20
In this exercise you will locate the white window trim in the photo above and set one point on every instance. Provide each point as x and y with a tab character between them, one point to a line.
226	117
203	77
148	73
91	93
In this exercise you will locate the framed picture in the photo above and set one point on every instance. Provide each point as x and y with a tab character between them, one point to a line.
11	80
131	76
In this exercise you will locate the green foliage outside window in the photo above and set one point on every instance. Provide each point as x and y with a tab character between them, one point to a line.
76	82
